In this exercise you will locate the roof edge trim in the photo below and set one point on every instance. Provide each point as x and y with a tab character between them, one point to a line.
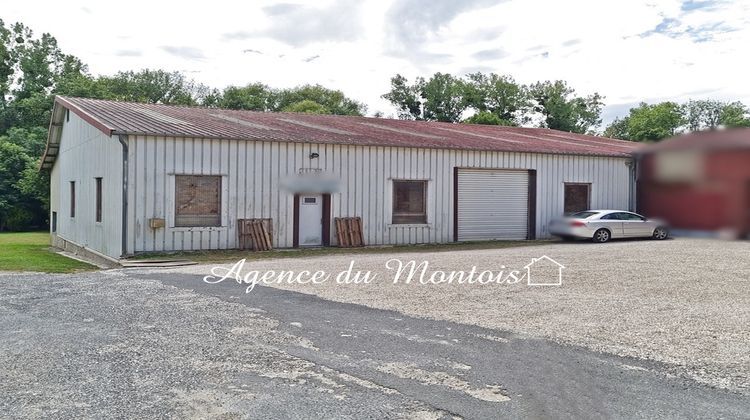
101	126
54	133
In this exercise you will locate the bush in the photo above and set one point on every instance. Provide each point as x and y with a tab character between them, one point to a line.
19	219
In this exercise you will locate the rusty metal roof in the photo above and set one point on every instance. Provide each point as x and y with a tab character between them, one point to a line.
112	117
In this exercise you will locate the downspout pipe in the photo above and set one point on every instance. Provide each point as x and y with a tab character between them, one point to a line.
123	138
633	182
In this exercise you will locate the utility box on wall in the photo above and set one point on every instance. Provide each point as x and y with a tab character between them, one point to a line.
156	223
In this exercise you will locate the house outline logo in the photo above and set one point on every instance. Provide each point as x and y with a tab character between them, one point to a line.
531	282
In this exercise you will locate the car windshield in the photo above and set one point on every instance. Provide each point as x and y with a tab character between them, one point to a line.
583	214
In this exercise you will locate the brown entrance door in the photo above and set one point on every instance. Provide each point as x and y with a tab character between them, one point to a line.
577	197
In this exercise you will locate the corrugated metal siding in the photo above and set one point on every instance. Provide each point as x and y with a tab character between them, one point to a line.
492	204
85	154
251	171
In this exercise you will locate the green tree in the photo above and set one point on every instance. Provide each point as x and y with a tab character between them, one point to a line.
81	85
7	63
33	140
441	98
406	97
496	94
306	98
563	110
334	101
253	97
14	209
307	107
702	114
618	129
734	114
149	86
210	97
654	122
34	186
707	114
37	60
487	118
30	68
32	111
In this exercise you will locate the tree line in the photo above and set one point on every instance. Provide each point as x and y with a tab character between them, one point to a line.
33	69
480	98
495	99
666	119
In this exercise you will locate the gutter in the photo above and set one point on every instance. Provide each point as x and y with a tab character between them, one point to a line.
123	138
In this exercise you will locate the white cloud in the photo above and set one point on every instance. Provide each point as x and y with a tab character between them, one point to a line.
627	50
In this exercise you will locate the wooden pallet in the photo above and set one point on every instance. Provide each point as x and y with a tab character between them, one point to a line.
349	232
255	234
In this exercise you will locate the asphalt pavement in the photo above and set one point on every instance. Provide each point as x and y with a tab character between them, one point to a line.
130	344
473	372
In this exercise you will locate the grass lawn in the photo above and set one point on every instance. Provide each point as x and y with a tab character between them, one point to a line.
29	251
232	255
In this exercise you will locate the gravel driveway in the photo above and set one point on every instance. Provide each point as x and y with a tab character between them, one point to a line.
685	302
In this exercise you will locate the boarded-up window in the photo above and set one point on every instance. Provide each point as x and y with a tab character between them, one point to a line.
197	200
98	199
72	199
409	202
577	197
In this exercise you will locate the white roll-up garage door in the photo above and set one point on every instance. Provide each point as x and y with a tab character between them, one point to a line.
492	204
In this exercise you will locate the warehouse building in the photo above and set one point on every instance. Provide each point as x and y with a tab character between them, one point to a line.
128	178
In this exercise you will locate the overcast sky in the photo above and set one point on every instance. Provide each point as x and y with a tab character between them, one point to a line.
627	50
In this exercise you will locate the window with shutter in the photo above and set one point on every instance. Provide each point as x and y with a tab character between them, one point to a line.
197	200
577	197
409	202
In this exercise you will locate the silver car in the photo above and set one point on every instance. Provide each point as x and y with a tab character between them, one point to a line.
603	225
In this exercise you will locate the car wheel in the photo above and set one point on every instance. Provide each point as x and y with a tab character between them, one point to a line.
601	236
661	233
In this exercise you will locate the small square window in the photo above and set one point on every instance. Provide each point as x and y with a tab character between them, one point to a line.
577	197
409	202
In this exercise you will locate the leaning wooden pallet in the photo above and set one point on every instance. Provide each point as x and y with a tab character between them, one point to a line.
255	233
349	232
